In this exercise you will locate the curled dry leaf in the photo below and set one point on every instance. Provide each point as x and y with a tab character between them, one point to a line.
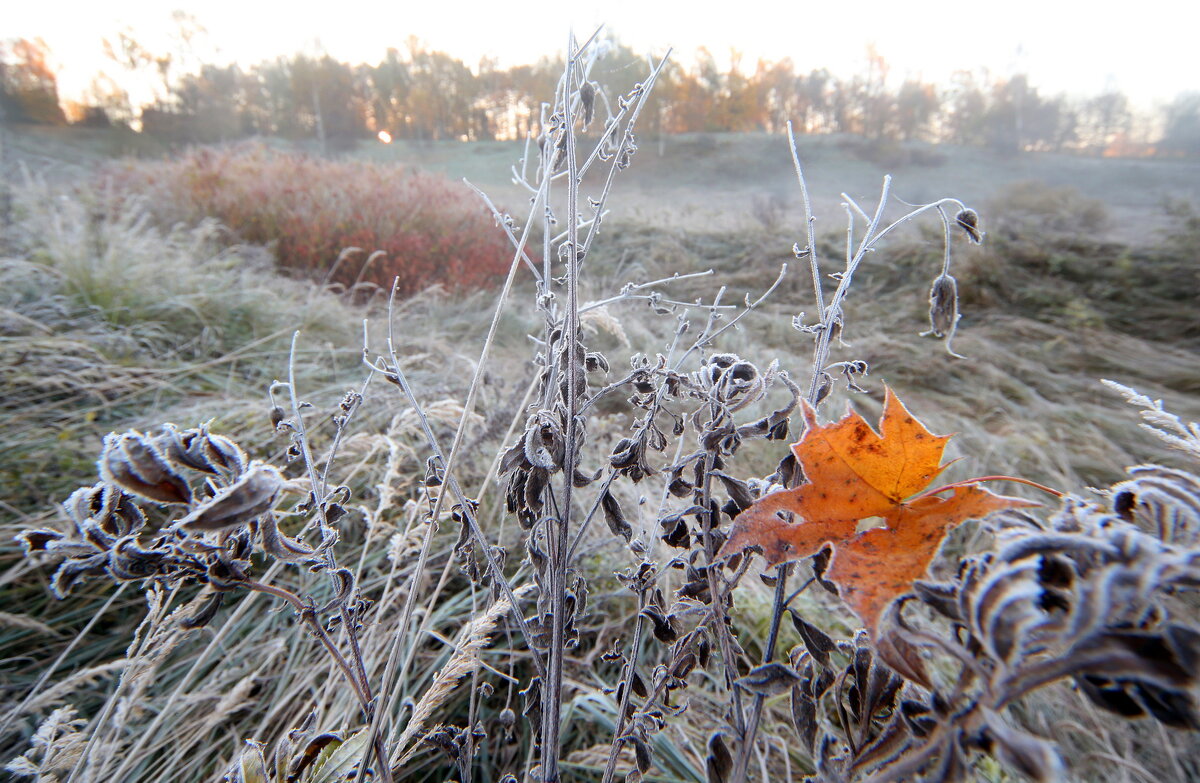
252	494
770	679
133	463
719	763
855	474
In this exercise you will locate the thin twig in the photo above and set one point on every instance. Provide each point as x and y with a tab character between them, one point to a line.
610	767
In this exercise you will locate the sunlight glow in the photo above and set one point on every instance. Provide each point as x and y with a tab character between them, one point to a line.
384	136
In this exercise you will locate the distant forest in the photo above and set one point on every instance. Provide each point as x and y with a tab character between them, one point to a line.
418	93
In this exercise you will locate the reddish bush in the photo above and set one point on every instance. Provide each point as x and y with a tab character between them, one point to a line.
311	210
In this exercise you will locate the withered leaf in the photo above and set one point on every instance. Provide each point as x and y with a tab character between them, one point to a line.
643	756
819	643
683	665
853	474
134	464
252	494
545	441
769	679
737	489
1111	696
664	628
1170	706
1034	758
804	717
279	546
942	598
615	517
719	762
675	531
205	614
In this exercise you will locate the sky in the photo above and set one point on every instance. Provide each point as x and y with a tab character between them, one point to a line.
1080	48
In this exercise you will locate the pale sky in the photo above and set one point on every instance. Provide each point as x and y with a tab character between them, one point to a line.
1065	46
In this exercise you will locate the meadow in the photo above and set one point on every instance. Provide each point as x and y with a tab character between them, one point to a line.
358	549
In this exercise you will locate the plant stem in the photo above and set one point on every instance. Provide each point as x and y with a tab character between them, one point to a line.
614	749
560	526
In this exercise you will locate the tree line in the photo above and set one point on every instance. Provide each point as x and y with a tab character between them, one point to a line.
419	93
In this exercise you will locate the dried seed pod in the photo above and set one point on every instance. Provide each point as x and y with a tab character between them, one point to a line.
251	495
560	152
943	307
968	221
824	387
626	155
587	98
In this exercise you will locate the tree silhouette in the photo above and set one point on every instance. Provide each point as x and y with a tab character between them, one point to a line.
28	86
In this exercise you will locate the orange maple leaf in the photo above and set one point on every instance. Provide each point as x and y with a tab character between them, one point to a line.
853	474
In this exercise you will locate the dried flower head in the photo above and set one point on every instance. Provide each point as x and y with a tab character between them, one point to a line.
587	97
943	306
968	221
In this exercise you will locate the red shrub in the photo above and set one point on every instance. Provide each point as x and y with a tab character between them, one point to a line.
311	210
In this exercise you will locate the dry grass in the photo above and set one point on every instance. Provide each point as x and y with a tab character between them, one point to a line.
351	223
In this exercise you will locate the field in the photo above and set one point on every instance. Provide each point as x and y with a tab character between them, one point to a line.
112	320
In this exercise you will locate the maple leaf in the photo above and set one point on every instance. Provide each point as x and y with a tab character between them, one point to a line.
854	474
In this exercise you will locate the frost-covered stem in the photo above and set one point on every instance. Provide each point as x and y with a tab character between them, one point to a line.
308	616
830	313
945	241
626	689
873	239
707	337
717	600
451	482
560	527
752	720
517	242
808	222
319	498
820	356
626	142
396	373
